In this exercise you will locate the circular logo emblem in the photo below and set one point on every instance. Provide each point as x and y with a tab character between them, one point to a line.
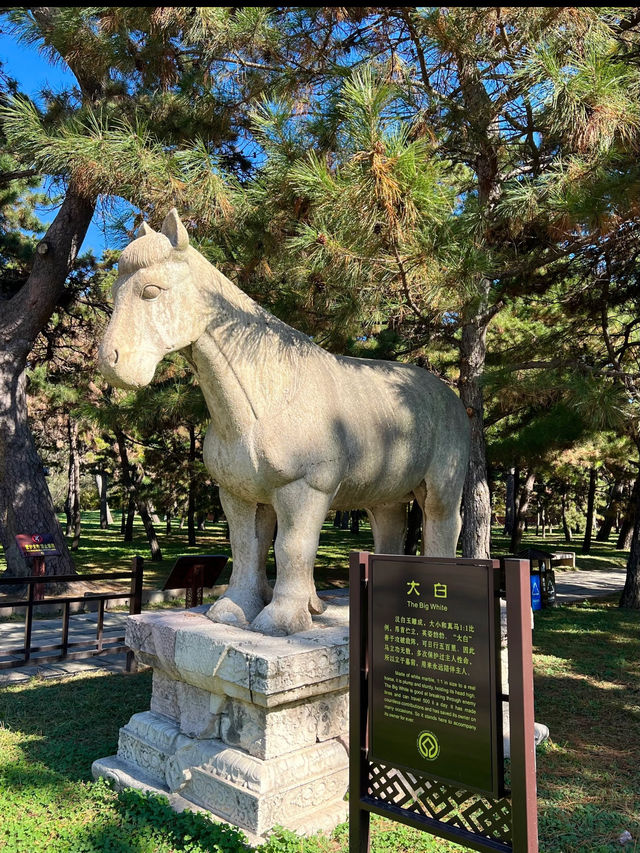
36	538
428	746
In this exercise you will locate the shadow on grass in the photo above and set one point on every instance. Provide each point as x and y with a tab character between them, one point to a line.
587	665
598	639
75	720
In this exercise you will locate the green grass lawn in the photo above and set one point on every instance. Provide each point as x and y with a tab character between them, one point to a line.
104	550
587	666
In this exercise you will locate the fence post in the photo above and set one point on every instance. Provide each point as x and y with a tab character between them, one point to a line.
135	603
29	623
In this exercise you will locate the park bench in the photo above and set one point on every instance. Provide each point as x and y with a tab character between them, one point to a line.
563	558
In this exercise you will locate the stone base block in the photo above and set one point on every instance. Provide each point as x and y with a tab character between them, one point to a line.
251	728
249	792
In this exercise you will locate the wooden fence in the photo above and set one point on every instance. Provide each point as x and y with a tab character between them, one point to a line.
24	654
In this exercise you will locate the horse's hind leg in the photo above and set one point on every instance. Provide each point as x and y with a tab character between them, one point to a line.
440	501
251	529
301	511
389	527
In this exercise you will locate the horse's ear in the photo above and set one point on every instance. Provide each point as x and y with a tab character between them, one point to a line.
143	230
175	230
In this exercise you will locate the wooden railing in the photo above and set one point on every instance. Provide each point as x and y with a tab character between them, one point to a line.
65	648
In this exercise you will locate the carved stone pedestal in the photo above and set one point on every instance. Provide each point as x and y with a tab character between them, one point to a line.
251	728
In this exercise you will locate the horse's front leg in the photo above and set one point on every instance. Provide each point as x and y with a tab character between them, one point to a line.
251	529
301	510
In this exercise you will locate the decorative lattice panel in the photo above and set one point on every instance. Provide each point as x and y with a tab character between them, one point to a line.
449	805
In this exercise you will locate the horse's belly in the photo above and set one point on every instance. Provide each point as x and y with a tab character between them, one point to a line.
248	469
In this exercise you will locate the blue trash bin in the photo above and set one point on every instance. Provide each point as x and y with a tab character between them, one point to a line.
536	592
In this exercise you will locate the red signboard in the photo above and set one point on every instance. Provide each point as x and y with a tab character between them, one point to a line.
37	545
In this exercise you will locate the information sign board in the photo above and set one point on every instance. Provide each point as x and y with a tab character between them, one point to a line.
433	664
37	545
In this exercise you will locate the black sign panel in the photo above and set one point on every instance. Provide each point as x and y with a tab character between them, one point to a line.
433	659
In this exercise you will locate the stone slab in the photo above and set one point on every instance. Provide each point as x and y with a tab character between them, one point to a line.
262	670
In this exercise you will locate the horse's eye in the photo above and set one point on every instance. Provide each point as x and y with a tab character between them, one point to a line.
151	292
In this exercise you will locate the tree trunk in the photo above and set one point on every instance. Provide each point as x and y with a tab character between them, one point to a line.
523	506
510	503
476	500
625	534
74	483
591	501
630	598
145	515
135	501
25	501
337	518
167	519
102	480
414	529
191	501
565	527
344	522
355	521
610	512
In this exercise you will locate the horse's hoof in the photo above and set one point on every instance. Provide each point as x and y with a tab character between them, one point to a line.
234	611
280	621
316	605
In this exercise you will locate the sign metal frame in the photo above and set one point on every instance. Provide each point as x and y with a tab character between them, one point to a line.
423	801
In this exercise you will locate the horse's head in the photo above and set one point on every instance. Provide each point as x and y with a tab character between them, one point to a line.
157	306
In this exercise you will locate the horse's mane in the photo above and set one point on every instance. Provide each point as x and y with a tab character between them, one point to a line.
143	252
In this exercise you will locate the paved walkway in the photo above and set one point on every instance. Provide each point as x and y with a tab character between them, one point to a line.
570	586
576	586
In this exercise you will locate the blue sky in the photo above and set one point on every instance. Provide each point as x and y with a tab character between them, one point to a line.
33	72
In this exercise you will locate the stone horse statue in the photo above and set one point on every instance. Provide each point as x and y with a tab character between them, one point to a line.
295	431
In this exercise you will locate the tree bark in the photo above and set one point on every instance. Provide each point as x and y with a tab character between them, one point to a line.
523	506
476	500
591	501
191	499
135	500
630	598
73	498
565	527
625	534
149	529
25	502
611	512
102	482
510	503
414	529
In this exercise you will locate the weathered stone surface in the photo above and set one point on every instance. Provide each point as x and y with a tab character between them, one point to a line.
294	432
148	740
265	749
163	695
220	659
266	733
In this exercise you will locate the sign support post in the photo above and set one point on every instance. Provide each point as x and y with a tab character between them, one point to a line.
523	750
